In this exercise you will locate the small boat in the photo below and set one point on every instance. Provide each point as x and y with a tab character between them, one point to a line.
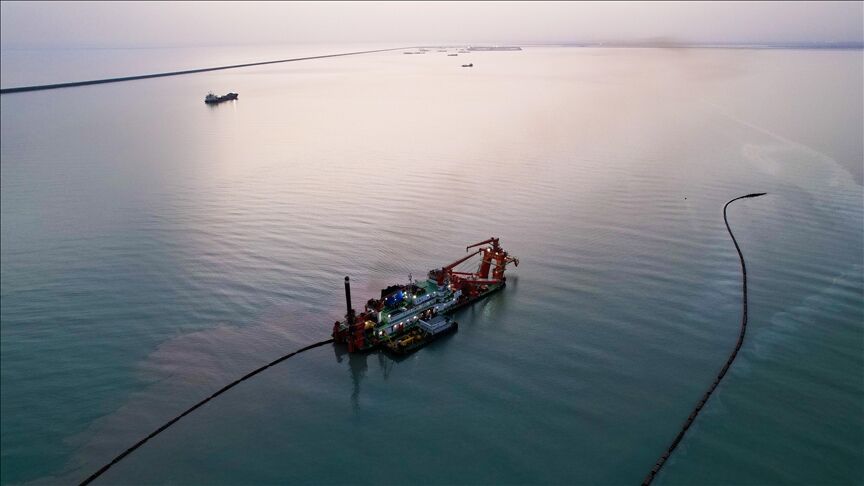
213	99
452	55
468	65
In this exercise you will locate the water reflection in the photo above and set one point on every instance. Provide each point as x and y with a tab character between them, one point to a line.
358	366
358	363
229	103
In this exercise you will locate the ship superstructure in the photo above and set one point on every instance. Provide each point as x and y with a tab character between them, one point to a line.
401	309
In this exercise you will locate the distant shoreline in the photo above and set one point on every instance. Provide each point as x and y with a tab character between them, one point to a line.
509	47
792	46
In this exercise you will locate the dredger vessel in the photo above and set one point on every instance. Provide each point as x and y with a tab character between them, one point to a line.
406	317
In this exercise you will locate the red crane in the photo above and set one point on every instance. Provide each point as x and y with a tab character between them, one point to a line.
472	283
440	275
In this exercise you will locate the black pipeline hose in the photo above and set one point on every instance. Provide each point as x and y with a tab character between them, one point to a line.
194	407
707	395
648	479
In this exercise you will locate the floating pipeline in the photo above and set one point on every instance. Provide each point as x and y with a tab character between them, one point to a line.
171	422
660	462
488	254
469	282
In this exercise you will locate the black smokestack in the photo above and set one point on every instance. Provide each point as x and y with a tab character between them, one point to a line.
350	312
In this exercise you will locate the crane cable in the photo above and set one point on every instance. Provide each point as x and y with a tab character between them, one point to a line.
660	462
194	407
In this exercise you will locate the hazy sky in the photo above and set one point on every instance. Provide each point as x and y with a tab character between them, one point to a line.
126	24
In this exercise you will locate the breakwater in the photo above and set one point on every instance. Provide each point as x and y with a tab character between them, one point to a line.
74	84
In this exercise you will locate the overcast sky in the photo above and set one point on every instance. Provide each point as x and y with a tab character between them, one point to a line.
128	24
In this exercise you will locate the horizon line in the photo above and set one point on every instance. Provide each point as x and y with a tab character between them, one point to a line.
575	43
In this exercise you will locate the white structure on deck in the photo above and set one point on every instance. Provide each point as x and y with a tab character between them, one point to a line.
435	325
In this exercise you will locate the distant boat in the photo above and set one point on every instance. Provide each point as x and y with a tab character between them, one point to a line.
212	99
452	54
468	65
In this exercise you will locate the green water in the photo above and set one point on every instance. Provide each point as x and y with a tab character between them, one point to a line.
154	248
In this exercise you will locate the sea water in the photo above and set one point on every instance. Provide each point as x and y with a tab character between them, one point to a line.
155	248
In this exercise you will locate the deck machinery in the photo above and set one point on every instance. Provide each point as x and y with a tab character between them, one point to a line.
403	308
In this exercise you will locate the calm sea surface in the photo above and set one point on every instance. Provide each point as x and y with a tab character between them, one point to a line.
155	248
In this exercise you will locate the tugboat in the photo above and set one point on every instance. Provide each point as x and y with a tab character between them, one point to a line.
406	317
212	99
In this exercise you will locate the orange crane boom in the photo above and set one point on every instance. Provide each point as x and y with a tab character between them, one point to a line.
492	240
